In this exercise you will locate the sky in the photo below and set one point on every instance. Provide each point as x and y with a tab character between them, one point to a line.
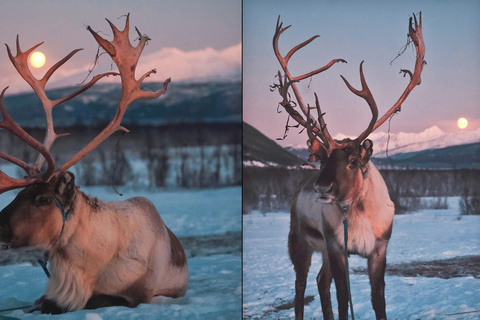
189	39
205	40
372	31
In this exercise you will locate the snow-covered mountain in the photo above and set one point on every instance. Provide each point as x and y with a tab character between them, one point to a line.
403	142
183	103
431	138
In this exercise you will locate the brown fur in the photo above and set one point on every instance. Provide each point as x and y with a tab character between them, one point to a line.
109	252
177	255
316	225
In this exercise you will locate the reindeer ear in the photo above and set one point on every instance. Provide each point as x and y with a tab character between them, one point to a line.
65	188
367	150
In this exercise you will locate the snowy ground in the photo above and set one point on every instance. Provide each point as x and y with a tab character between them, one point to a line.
268	277
215	287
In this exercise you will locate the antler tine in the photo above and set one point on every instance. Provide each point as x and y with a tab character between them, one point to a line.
284	60
9	124
8	183
298	47
415	79
126	58
366	94
21	64
57	65
330	143
319	128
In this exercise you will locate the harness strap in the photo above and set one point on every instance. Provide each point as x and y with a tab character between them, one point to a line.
362	171
347	273
64	213
43	262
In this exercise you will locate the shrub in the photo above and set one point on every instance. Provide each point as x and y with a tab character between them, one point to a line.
470	202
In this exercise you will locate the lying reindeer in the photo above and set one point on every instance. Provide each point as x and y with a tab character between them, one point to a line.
347	186
101	253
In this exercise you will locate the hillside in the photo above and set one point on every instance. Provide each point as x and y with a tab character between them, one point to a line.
270	173
431	148
258	150
410	177
189	138
465	156
183	103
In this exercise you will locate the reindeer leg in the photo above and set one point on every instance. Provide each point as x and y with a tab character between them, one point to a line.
103	300
324	281
301	257
45	305
377	264
337	262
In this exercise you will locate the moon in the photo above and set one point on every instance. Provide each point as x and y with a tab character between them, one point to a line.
37	59
462	123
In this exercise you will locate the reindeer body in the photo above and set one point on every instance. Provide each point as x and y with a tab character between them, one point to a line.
370	215
116	249
346	184
117	253
317	226
121	249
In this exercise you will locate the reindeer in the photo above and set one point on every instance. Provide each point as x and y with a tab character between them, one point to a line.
101	254
347	186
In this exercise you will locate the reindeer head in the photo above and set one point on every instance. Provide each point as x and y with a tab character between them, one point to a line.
34	217
343	173
343	163
35	207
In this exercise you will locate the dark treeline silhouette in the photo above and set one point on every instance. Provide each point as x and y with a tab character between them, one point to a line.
271	188
170	156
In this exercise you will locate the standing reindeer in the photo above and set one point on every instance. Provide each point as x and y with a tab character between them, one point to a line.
347	186
101	254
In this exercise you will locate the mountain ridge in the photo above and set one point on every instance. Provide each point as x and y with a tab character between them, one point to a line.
405	142
183	103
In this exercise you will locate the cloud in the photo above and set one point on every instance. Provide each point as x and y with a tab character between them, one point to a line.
199	65
205	64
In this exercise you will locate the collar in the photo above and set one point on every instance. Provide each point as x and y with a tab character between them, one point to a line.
64	213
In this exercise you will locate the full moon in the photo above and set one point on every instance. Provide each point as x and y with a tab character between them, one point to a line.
37	59
462	123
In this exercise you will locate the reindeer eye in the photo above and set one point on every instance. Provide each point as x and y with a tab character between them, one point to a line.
354	162
42	201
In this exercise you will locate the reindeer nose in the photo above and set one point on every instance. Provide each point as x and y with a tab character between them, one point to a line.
323	189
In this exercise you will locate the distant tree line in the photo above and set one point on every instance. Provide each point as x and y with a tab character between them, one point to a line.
174	156
271	189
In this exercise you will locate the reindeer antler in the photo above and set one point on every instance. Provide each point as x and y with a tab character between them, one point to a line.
125	57
317	128
20	63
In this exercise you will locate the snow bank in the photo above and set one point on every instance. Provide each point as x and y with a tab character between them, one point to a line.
269	279
214	293
215	287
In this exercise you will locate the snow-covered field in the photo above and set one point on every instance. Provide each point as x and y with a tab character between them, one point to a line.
215	288
268	276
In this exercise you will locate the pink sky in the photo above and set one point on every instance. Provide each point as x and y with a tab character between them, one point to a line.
373	32
189	39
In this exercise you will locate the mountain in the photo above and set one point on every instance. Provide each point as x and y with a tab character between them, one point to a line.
431	148
431	138
260	151
183	103
466	156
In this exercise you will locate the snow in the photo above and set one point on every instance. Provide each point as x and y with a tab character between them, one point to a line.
269	279
404	142
215	287
431	138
